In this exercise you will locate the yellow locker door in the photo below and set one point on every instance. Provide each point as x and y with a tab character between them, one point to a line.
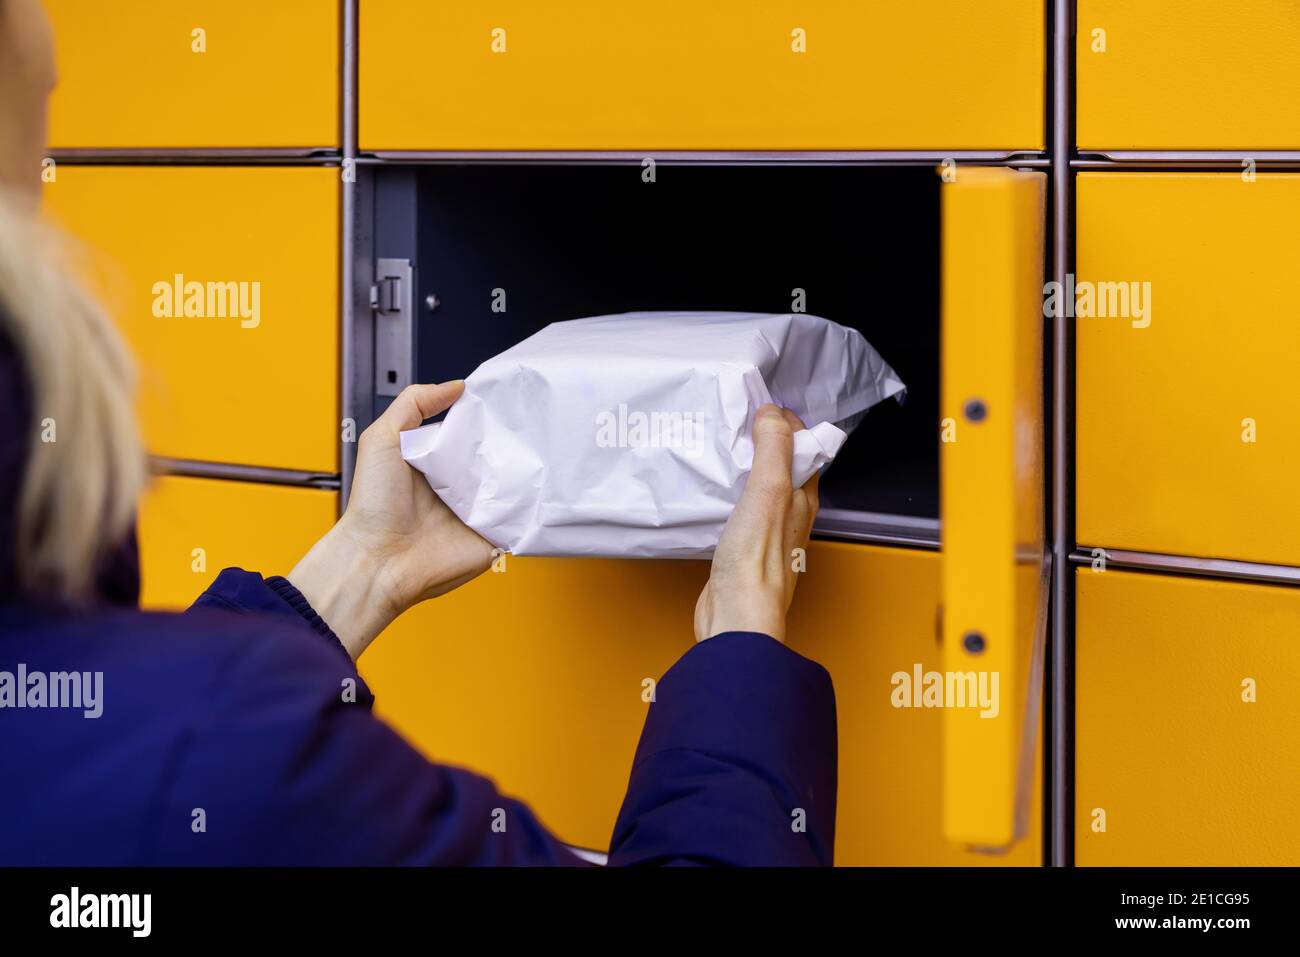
1186	748
868	615
196	73
995	570
191	528
1188	422
678	74
224	281
1188	75
537	677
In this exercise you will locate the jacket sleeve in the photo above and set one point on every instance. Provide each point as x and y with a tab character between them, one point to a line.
249	593
292	757
288	766
737	761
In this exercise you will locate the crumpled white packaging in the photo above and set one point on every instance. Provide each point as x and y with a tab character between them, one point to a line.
629	435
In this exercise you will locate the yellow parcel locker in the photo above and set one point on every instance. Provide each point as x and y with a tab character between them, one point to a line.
995	568
1186	745
1188	75
1188	433
537	677
192	528
225	283
196	73
730	75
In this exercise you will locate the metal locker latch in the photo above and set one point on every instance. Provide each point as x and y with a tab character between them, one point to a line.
390	298
389	295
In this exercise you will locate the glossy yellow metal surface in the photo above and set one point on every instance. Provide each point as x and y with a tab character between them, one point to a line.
869	614
536	678
258	386
191	528
992	499
196	73
678	74
1188	74
1186	744
1186	436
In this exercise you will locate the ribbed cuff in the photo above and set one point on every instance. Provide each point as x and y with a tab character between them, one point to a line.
295	600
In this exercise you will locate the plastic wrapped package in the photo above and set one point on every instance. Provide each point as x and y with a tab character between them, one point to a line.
629	435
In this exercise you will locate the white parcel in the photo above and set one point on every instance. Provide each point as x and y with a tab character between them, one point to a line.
629	435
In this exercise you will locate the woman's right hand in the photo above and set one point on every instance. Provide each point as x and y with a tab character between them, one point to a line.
398	543
753	577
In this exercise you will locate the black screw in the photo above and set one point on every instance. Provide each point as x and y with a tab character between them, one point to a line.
974	642
976	410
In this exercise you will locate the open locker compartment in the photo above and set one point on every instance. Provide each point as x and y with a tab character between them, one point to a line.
549	242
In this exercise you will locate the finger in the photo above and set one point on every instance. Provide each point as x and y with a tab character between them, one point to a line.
812	491
416	403
808	504
811	502
802	515
810	486
796	423
773	449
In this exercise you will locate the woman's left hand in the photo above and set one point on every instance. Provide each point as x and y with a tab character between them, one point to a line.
397	544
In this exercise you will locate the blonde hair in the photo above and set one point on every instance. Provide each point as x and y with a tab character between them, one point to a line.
84	466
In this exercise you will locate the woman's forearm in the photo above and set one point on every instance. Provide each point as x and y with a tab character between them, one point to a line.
346	588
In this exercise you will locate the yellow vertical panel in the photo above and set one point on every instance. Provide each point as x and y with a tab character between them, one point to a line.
262	528
868	614
992	497
261	390
1188	74
1188	423
130	73
1186	772
534	677
678	74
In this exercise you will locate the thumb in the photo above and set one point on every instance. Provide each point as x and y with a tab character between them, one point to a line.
416	403
773	449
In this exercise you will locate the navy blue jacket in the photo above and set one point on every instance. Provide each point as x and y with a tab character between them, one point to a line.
245	715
